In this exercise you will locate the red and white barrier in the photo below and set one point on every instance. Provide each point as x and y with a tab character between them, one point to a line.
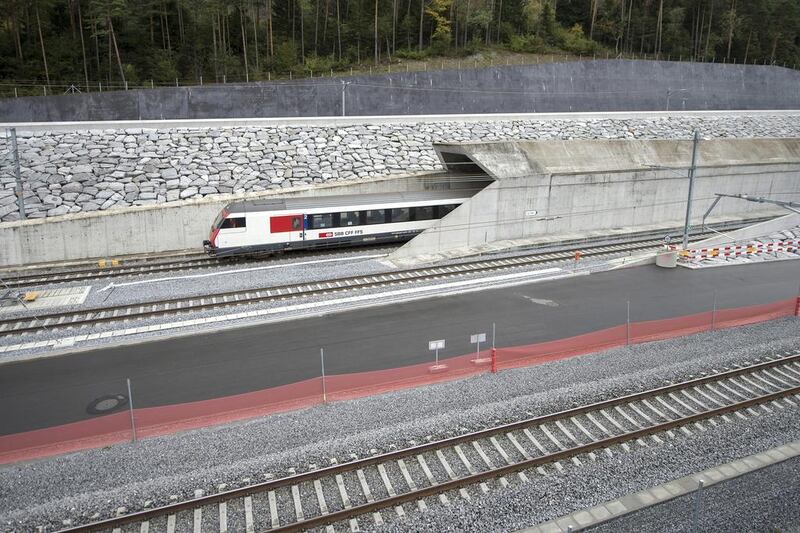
740	250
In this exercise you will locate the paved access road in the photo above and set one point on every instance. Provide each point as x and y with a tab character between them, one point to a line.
57	390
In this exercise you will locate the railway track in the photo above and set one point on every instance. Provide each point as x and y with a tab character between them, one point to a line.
176	306
90	273
137	266
390	485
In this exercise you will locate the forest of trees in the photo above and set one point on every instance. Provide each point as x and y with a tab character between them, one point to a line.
86	42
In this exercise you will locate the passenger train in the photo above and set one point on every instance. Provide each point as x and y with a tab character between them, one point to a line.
275	225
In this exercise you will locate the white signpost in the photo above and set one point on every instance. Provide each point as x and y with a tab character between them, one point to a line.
435	346
477	339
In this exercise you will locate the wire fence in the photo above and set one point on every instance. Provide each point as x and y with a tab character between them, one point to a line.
20	88
139	404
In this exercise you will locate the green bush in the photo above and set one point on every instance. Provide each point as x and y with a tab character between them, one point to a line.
406	53
574	40
528	44
318	64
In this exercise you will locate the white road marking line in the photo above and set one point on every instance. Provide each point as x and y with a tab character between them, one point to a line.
171	523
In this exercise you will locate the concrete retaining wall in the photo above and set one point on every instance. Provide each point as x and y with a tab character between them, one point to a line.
78	168
602	85
169	227
550	188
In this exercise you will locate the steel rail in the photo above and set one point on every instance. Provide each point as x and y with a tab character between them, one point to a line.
82	274
181	305
142	265
326	472
527	464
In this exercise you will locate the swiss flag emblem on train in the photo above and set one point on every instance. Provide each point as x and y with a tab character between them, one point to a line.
326	234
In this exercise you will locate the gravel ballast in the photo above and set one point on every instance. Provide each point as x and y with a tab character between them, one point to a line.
79	485
766	500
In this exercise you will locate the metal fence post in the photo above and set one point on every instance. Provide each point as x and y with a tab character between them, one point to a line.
714	312
130	408
17	173
697	502
322	362
797	303
628	323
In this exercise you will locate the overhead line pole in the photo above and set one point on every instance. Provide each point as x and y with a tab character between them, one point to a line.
692	168
17	175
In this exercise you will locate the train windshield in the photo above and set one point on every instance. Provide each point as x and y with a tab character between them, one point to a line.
220	218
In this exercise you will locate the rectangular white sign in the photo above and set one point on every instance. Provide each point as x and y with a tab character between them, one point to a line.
478	337
436	345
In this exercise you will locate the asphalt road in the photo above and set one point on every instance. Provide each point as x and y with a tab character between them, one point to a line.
51	391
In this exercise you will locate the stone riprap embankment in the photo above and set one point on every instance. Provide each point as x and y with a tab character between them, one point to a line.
90	170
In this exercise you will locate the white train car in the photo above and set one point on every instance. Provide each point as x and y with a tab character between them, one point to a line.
275	225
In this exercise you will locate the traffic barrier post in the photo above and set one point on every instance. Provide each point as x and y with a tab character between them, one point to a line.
494	360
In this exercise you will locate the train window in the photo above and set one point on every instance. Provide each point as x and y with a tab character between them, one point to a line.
423	213
350	218
376	216
402	214
220	217
322	221
445	209
230	223
297	223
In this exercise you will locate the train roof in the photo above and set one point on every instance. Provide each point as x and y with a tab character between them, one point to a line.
282	204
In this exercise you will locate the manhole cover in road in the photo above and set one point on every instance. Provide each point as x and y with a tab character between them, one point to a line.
107	404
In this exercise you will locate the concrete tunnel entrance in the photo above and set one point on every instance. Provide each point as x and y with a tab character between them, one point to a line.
536	192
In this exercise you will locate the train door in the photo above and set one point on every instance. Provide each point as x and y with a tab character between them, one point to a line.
298	228
286	229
